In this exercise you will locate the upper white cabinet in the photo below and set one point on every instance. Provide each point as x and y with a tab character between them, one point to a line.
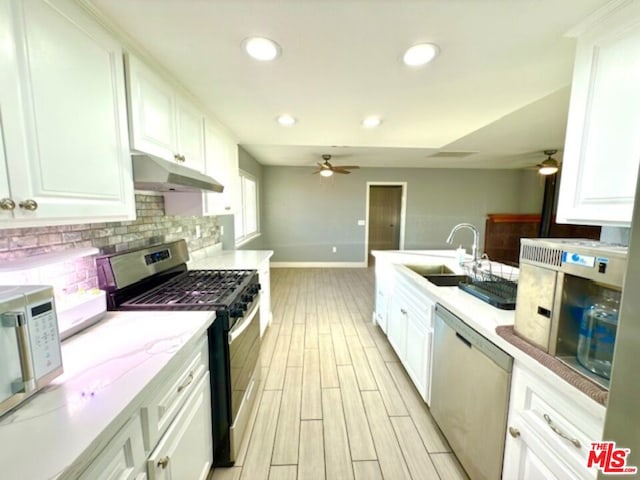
221	153
602	149
163	123
65	150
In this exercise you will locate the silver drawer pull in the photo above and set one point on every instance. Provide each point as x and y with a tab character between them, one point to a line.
163	462
514	432
403	311
574	441
186	383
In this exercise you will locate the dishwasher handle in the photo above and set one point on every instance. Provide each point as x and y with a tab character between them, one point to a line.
463	340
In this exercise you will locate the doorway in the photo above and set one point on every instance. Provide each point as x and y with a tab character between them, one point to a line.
385	217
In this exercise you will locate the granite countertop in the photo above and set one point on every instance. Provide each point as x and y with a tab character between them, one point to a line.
481	316
229	259
106	368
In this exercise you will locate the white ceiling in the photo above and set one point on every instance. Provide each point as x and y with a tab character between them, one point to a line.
499	88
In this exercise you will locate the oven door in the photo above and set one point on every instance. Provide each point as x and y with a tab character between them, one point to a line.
244	354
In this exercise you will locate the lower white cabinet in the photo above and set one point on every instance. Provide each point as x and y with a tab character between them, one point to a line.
384	290
549	432
123	458
264	277
185	450
410	331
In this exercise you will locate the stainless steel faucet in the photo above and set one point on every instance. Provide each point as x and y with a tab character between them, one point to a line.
476	235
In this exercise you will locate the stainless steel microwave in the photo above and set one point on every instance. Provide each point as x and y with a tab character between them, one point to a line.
30	355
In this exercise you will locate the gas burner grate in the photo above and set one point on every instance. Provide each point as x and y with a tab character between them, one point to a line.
194	289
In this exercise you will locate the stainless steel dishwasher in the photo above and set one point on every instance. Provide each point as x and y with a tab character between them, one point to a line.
470	394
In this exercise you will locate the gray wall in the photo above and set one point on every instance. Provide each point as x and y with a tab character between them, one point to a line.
306	215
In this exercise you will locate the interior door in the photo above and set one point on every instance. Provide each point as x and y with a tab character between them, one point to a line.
385	207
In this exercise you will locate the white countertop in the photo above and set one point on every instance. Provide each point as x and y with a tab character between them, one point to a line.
231	259
479	315
105	370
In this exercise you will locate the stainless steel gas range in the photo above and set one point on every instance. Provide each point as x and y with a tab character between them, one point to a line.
157	278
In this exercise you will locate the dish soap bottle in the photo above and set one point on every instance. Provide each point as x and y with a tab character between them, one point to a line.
597	334
461	254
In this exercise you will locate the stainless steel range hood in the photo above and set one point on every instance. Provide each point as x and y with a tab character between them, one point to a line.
154	173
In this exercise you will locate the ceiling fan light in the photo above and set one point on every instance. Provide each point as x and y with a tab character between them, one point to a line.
548	167
286	120
371	122
325	172
420	54
261	49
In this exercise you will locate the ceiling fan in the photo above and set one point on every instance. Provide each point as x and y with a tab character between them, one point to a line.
327	169
550	165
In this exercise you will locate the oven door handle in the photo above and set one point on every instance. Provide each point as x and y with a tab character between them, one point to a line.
237	329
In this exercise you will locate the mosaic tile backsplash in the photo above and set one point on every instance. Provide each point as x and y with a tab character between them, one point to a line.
150	227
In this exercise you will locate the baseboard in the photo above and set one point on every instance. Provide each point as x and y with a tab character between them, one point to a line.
318	264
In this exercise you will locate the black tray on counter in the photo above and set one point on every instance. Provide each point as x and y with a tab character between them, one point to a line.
494	293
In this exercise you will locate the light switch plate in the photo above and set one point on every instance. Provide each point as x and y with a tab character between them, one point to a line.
361	223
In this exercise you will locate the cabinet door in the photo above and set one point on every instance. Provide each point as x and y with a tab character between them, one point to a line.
122	458
64	114
152	105
190	135
602	148
397	329
186	451
526	457
221	164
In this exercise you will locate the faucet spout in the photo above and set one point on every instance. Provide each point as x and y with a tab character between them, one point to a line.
476	235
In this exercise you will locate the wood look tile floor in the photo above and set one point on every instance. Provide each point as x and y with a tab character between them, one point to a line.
334	401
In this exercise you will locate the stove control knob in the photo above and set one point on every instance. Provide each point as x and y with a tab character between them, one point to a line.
255	288
247	298
236	310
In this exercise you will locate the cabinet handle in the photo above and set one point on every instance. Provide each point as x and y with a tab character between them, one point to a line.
186	383
163	462
403	311
514	432
552	426
7	204
179	158
29	204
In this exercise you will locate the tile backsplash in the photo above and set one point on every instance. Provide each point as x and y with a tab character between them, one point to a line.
150	227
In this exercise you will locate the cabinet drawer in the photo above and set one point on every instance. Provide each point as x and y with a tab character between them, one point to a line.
186	451
123	458
161	409
567	426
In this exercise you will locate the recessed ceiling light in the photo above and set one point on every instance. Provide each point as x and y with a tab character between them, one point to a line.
286	120
261	48
420	54
371	122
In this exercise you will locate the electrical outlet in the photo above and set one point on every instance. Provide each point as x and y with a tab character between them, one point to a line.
334	249
361	223
221	230
198	231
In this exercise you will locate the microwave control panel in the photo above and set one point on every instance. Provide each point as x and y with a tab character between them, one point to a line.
44	338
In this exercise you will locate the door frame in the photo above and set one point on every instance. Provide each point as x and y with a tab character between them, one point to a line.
403	214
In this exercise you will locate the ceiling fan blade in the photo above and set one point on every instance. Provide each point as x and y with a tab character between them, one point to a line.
317	171
348	166
340	170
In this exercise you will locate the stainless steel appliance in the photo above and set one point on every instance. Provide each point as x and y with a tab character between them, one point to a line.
470	394
30	355
156	278
559	280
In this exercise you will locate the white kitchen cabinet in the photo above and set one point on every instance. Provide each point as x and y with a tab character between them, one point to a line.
384	291
185	450
163	123
410	331
64	129
221	153
123	458
549	430
602	148
264	277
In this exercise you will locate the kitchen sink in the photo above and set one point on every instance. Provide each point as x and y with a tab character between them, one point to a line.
447	280
424	270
